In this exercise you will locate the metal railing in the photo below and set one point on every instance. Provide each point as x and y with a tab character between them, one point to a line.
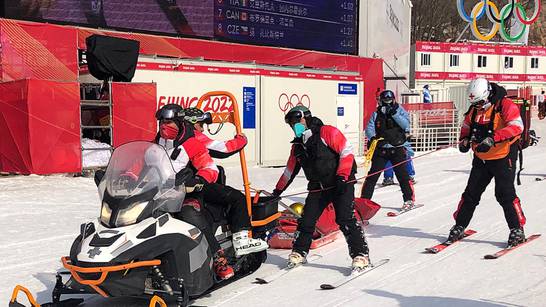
427	139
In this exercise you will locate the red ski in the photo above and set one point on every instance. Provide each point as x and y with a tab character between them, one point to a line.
505	251
440	247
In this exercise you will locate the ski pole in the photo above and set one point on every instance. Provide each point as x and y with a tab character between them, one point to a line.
378	172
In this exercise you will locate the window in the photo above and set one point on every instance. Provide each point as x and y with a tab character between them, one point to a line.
534	62
508	62
425	59
453	60
482	61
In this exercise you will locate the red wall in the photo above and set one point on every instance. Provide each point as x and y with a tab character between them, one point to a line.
39	51
40	127
134	107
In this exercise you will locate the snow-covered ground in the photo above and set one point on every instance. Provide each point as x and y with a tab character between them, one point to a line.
40	216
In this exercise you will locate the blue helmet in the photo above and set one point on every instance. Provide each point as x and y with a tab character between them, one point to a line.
387	97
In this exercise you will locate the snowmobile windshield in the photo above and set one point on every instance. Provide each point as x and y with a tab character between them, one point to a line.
139	180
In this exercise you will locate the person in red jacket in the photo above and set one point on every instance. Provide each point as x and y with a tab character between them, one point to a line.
492	128
218	193
177	137
218	149
328	163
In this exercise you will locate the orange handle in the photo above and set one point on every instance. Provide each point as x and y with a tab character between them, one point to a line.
236	121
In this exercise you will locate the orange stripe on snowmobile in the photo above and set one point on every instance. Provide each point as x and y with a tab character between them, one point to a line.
27	293
157	300
267	220
99	290
74	270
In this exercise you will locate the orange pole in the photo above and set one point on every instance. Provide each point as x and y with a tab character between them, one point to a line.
239	130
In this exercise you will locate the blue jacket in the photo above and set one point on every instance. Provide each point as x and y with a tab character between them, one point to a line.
427	98
401	117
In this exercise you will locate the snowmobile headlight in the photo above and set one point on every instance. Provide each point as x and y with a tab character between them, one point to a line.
105	213
130	215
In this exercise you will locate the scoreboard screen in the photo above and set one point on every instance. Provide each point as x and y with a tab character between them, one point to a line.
306	24
323	25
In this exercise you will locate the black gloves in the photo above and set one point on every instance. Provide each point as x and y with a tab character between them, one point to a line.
485	145
276	192
341	185
464	145
194	184
388	109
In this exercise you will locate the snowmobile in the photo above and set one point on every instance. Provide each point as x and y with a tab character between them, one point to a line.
137	248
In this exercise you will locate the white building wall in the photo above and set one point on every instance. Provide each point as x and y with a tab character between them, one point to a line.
439	74
384	32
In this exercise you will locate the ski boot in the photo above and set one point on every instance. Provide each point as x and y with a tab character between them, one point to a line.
360	263
455	233
408	205
243	244
516	237
295	259
387	181
222	269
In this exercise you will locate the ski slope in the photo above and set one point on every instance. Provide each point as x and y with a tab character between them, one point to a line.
40	216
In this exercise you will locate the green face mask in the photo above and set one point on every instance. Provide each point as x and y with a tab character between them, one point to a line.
298	128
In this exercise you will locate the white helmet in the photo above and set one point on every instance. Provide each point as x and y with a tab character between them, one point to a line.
478	91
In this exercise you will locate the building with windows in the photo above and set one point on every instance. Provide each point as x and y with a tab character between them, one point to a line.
447	65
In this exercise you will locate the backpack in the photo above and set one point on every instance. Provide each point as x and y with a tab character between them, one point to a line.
528	136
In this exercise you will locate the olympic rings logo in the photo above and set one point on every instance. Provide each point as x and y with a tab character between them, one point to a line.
489	8
286	103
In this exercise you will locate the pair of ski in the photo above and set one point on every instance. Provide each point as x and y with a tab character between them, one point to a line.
340	282
440	247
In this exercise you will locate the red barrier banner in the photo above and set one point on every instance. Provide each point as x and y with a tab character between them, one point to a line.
435	113
134	107
428	106
40	127
38	51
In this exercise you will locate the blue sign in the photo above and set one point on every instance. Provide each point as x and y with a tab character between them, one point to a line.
307	24
347	89
249	107
340	111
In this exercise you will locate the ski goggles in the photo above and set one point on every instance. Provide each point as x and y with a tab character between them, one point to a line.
203	118
166	114
386	101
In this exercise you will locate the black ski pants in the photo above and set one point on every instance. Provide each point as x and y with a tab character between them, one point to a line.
231	199
315	203
504	171
379	160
